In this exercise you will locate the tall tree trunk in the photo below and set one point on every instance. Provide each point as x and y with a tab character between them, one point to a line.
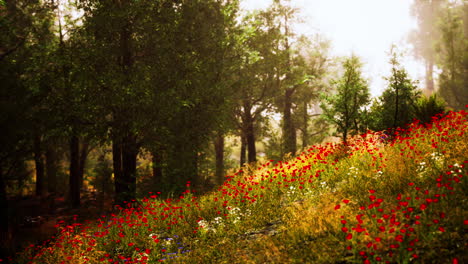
345	137
430	76
51	172
5	238
51	167
39	161
243	150
126	149
289	131
74	172
250	138
119	181
219	153
305	120
129	165
195	178
83	156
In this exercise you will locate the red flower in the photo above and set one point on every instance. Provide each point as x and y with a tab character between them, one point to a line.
349	236
337	207
372	191
345	201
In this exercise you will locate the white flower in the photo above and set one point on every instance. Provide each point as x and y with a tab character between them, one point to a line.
218	221
203	224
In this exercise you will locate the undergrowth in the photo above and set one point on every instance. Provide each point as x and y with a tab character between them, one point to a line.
374	201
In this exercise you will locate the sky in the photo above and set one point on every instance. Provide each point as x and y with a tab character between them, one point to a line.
366	28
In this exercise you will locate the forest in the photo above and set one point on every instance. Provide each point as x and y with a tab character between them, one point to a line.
103	103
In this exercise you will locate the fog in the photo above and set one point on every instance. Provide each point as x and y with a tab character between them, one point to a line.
366	28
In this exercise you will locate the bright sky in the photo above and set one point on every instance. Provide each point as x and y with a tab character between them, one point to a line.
366	28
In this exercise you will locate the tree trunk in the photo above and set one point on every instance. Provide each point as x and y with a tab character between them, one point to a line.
243	150
129	165
119	181
250	138
430	76
124	155
51	167
83	156
74	171
345	137
289	131
305	134
51	172
195	178
39	161
4	225
219	153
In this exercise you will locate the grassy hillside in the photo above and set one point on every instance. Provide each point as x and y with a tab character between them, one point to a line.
374	201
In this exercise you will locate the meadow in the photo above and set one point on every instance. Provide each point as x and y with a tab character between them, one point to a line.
376	200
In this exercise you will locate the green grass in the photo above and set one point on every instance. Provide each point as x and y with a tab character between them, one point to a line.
402	201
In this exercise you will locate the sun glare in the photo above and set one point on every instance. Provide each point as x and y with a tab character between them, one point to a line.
366	28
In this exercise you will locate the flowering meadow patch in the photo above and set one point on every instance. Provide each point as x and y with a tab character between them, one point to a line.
373	201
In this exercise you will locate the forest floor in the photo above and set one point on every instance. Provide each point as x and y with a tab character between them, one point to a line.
34	218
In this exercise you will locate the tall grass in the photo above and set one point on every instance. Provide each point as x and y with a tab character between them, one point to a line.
373	201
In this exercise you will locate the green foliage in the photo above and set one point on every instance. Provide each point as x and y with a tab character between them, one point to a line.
380	202
395	107
345	108
441	41
428	107
452	49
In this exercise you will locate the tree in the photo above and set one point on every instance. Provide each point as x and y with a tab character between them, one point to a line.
399	97
311	63
452	51
24	26
257	77
425	37
287	67
428	107
345	107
